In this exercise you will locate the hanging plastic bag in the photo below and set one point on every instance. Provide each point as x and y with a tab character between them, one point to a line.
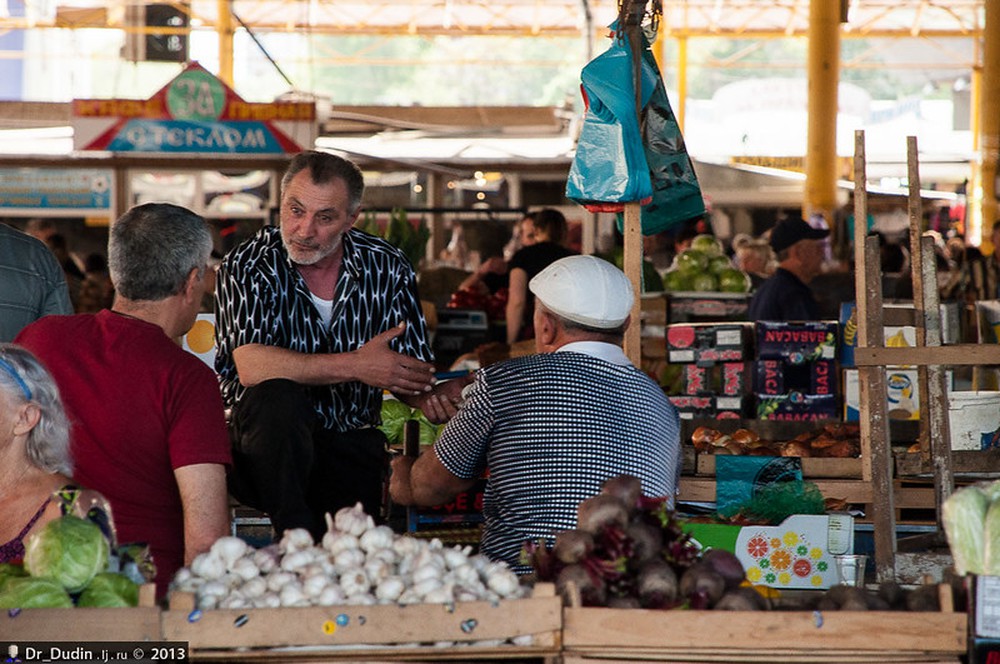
609	168
617	159
677	195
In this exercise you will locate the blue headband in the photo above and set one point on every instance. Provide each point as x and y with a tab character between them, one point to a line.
9	368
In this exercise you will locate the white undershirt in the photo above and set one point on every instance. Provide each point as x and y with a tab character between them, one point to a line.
325	309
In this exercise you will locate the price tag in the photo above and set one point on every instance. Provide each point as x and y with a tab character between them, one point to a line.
987	606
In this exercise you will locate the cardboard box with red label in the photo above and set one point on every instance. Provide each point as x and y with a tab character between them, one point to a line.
709	343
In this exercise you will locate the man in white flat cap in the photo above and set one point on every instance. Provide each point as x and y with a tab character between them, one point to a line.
552	427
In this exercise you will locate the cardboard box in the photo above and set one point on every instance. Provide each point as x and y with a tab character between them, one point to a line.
798	553
729	379
796	406
797	343
894	335
708	344
774	377
695	307
690	407
902	393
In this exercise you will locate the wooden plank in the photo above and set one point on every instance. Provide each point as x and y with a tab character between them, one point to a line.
876	449
81	624
764	655
618	629
957	355
702	489
354	625
939	430
874	421
811	467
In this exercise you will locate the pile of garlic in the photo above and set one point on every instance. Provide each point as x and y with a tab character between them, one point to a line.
357	562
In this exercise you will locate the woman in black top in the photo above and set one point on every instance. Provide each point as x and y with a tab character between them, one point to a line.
546	228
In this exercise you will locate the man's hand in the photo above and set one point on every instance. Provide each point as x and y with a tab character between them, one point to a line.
441	404
380	366
399	481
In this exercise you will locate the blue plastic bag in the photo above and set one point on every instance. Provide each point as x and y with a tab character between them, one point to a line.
619	160
610	162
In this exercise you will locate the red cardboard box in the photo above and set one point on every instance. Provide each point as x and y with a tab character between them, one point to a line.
691	407
725	379
708	343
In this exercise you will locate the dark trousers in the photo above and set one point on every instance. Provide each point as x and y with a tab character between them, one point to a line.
287	465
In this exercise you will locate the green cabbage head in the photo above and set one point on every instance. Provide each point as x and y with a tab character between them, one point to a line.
69	550
28	592
395	413
110	589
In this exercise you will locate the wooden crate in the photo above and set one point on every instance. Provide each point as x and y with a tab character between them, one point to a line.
613	635
85	624
475	630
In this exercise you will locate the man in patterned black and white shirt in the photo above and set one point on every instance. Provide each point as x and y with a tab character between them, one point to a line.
552	427
314	320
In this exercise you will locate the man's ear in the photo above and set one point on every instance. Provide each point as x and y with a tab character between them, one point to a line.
191	283
545	333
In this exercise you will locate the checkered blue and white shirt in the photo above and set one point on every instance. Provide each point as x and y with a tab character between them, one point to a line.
551	428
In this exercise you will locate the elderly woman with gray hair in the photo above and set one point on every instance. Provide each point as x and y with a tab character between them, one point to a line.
34	449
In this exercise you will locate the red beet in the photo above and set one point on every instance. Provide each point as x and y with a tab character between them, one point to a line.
599	511
727	565
572	546
626	487
657	585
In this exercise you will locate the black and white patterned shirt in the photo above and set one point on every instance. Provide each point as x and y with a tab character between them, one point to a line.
551	428
262	299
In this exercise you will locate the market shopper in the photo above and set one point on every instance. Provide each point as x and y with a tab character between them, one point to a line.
34	449
149	430
32	284
314	320
542	233
785	295
552	427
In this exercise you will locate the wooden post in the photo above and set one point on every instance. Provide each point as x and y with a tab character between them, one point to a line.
632	259
876	452
632	222
915	213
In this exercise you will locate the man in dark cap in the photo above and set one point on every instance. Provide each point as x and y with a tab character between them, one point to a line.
786	296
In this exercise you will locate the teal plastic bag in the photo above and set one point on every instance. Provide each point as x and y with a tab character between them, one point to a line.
618	160
609	166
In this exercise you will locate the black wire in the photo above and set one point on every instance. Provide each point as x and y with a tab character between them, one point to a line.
262	49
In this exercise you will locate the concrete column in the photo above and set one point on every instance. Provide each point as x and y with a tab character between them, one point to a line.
821	141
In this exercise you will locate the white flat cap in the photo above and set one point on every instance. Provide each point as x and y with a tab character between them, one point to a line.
585	290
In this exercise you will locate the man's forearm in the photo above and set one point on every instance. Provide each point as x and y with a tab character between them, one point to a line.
257	363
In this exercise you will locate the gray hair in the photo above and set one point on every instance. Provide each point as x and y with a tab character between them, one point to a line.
152	249
24	380
325	167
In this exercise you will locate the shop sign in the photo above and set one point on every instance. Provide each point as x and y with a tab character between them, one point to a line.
194	113
77	191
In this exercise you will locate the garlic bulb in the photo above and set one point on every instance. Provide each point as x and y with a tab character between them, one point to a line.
229	549
353	520
295	539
